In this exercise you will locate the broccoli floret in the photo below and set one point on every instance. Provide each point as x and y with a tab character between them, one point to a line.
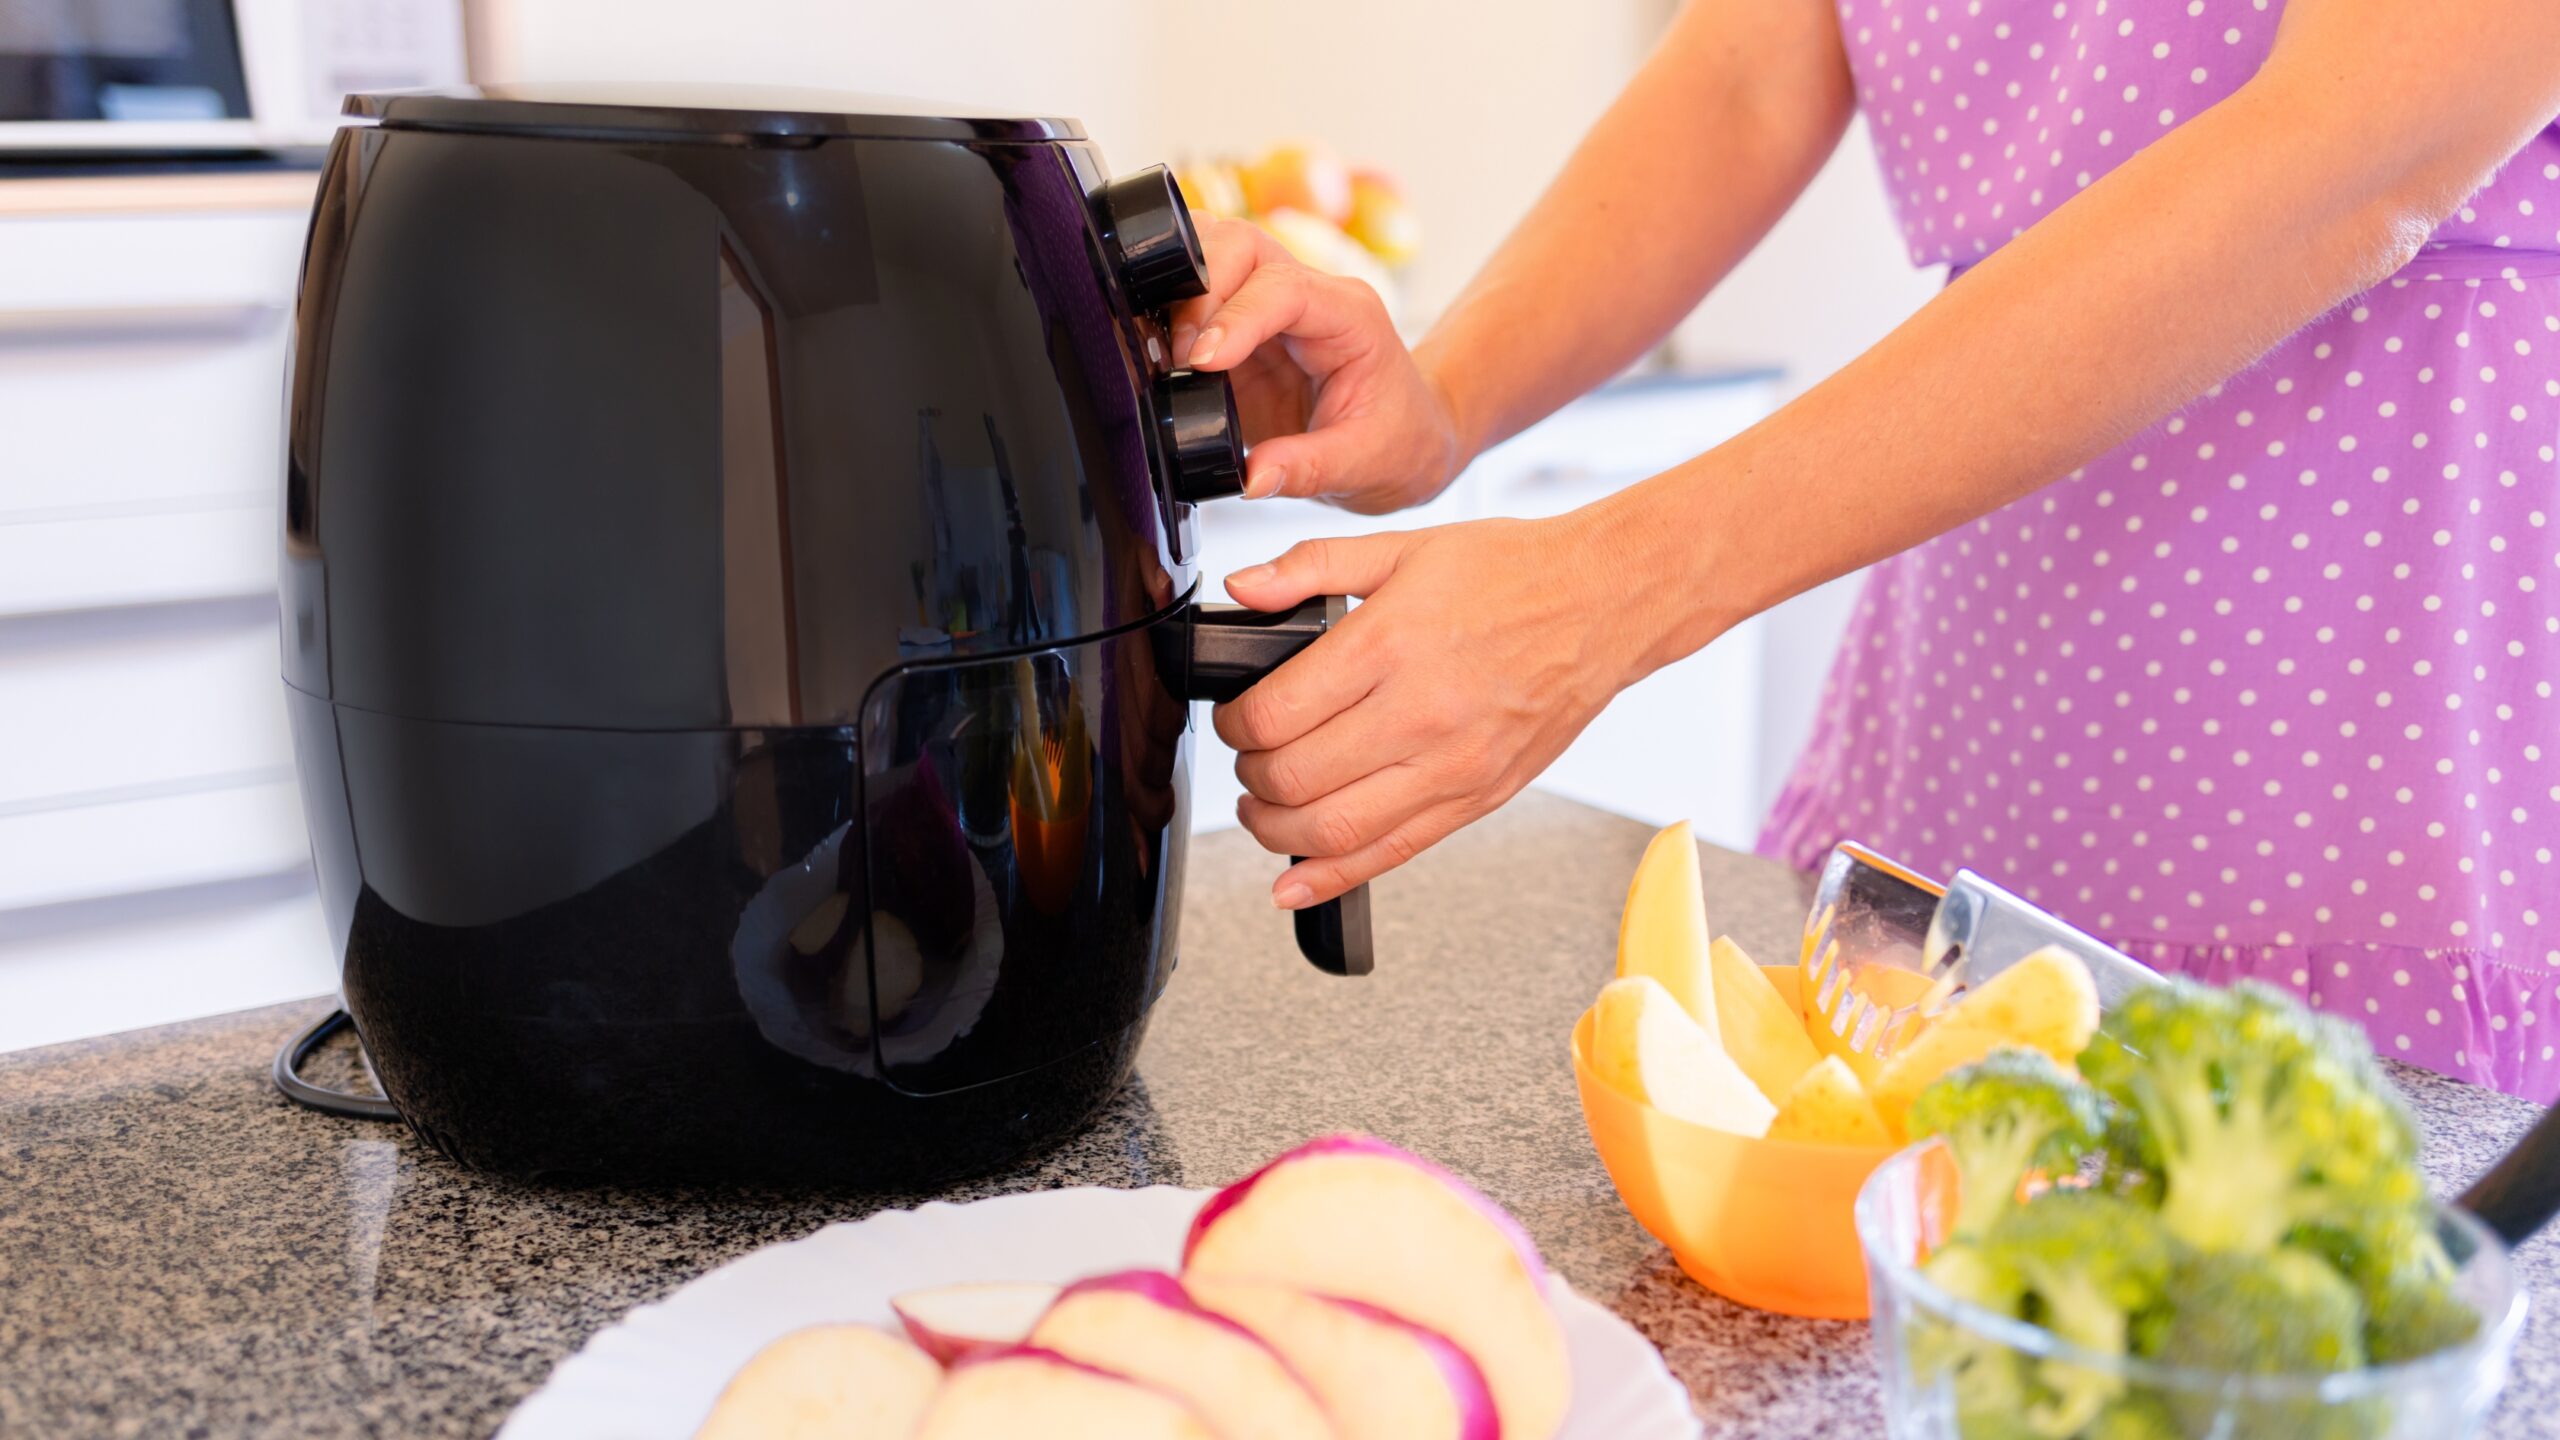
1989	1384
2140	1415
1993	1393
2090	1264
2284	1311
2012	1112
2128	1159
2404	1323
1969	1272
2265	1117
2400	1269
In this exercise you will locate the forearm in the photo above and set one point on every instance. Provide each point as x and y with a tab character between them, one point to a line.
1706	148
2177	269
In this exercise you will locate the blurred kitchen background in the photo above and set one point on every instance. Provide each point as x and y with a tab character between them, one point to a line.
153	862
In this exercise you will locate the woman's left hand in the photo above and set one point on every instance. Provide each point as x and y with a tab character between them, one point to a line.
1480	651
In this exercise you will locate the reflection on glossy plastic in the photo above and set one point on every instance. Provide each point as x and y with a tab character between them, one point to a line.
1025	875
725	571
679	435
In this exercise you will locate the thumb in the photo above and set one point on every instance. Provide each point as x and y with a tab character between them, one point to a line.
1329	462
1348	565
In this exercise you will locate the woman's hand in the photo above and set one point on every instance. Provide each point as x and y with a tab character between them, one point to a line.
1481	651
1333	404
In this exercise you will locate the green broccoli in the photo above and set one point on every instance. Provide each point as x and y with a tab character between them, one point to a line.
1990	1386
2128	1159
2265	1117
2090	1263
1969	1272
1993	1393
2420	1319
2138	1415
2283	1311
2010	1113
2400	1269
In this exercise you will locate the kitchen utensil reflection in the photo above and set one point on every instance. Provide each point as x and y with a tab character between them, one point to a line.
1052	785
1886	947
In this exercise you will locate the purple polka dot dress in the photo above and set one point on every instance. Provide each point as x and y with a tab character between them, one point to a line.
2269	690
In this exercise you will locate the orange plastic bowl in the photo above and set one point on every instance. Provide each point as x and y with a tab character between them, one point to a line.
1763	1222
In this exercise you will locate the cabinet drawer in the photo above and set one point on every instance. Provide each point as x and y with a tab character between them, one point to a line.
128	701
159	842
101	416
267	944
193	550
64	268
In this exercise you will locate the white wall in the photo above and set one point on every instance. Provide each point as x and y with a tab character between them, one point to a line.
1091	59
1474	107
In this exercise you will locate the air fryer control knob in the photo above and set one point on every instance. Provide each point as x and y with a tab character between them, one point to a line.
1203	440
1148	232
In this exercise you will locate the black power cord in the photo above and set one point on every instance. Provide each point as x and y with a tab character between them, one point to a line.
288	1076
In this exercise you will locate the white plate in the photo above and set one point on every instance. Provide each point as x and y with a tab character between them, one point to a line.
653	1375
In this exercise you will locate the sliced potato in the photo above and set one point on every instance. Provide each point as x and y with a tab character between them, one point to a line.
1940	1048
1761	1029
1663	931
2045	1002
1829	1107
1644	1043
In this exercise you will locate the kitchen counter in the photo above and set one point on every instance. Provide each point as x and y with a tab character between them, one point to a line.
182	1252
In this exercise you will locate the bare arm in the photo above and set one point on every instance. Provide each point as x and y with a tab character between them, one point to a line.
1484	649
2371	121
1716	136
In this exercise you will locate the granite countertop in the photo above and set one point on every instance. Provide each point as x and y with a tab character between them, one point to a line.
183	1252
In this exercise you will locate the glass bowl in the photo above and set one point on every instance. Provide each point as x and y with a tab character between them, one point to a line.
1926	1339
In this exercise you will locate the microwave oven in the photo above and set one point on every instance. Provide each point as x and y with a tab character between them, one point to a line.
164	77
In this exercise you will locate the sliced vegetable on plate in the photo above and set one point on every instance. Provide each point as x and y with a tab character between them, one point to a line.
1022	1392
1357	1218
953	1322
828	1382
1144	1325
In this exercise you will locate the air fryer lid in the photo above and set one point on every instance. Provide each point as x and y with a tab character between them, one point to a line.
702	112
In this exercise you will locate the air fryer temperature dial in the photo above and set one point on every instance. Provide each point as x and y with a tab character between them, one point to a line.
1202	438
1151	240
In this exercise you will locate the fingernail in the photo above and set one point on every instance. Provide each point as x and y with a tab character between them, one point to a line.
1250	575
1292	895
1266	484
1205	347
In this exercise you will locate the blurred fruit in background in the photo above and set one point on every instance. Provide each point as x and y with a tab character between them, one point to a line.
1354	222
1298	175
1212	189
1381	219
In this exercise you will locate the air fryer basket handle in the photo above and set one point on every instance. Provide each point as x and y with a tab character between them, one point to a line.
1231	647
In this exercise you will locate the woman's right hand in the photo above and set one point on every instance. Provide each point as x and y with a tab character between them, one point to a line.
1334	407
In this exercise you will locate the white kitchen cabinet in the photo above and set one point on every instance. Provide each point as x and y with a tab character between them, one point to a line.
153	860
1684	744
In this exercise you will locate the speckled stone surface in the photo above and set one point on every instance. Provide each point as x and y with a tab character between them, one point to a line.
183	1253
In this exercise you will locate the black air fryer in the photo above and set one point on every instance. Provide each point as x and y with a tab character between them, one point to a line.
739	596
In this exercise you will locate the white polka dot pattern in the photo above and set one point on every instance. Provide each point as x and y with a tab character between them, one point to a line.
2270	689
